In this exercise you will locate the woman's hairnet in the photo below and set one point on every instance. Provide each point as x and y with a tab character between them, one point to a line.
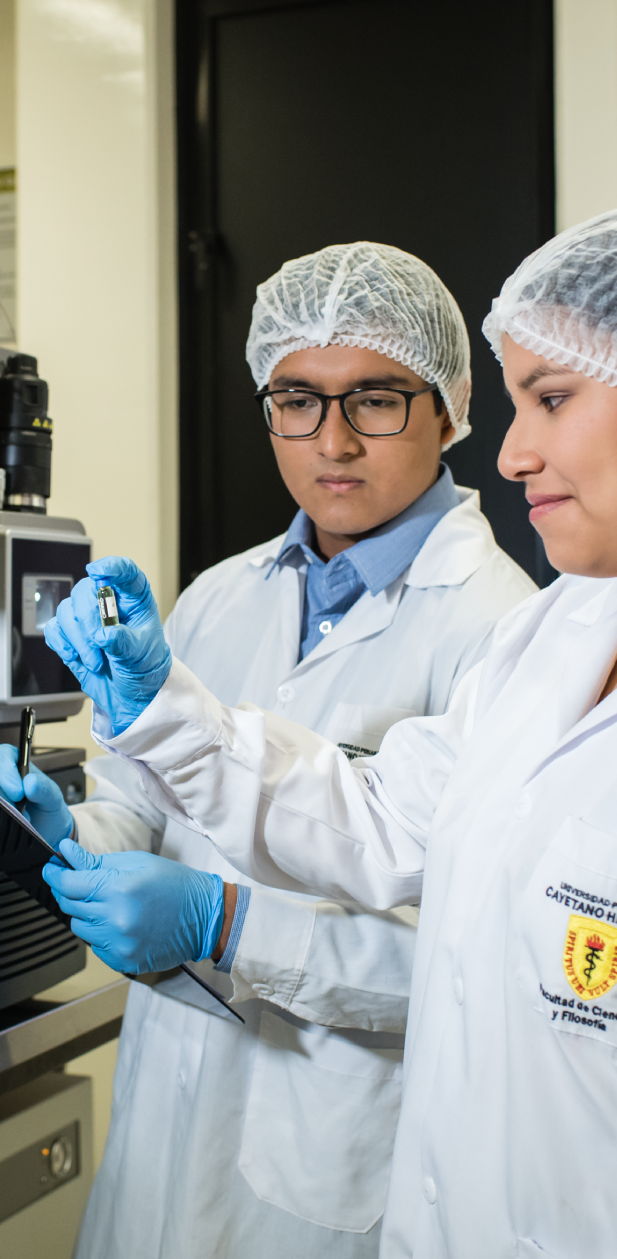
562	301
367	295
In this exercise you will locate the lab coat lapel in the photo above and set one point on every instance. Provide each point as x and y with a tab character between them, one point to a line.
292	585
587	666
537	711
369	615
563	695
281	644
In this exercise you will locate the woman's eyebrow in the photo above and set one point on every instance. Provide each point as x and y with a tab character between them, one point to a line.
539	372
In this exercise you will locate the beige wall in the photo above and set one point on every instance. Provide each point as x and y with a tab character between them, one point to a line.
7	83
586	108
96	282
86	114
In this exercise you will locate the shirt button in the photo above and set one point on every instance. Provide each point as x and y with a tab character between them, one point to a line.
523	805
429	1190
263	990
181	1079
325	627
285	693
457	984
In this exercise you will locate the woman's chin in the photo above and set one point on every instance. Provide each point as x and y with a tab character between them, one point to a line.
564	551
580	561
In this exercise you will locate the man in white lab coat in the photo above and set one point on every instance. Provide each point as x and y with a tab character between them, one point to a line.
276	1139
503	811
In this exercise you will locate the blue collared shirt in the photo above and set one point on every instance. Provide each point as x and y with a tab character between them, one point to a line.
333	587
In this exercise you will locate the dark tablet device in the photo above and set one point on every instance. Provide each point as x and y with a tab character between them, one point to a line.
23	853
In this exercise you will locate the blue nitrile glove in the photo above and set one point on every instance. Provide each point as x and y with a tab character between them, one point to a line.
46	808
121	668
138	911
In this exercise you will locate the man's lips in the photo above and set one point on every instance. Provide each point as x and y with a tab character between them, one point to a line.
542	504
339	485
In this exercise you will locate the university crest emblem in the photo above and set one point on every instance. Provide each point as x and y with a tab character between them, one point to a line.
590	956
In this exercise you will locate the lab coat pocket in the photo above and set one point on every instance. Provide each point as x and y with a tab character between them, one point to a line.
568	963
358	729
320	1124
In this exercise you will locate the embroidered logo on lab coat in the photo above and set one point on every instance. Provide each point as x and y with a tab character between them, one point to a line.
568	958
590	956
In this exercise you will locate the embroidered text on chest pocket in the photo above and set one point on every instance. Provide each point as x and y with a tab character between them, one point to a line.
358	729
568	965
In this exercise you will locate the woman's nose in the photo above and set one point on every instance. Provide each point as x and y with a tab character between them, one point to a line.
518	457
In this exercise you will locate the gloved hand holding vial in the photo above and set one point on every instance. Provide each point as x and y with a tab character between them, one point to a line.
120	664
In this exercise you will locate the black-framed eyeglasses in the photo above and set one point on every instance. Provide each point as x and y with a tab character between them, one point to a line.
381	412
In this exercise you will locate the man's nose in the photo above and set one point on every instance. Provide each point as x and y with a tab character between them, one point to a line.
336	438
518	457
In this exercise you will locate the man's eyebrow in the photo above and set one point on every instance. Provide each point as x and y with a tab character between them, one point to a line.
389	378
291	382
539	372
370	382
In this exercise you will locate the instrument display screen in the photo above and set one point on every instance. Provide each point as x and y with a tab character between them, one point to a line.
43	572
40	596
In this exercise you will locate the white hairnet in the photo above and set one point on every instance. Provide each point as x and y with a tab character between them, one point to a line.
368	295
562	301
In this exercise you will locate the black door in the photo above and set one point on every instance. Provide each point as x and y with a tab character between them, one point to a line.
425	126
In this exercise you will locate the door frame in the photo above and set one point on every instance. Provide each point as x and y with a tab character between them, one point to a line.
201	246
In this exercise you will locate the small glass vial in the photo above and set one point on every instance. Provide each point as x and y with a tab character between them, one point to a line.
107	607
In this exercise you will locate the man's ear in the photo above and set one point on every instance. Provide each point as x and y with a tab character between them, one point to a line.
447	429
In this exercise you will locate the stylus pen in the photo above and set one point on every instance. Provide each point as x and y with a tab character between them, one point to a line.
26	733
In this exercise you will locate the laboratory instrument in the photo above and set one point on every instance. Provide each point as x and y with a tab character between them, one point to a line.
41	558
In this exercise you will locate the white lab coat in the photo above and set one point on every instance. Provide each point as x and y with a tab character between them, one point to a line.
276	1139
506	1144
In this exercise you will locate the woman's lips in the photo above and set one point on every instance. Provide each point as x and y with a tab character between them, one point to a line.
542	504
339	486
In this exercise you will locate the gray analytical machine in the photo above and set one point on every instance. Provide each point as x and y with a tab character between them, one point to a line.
41	559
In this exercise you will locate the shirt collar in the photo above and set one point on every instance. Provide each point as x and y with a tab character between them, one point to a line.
300	534
392	547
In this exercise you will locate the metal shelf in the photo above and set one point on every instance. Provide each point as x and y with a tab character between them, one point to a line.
40	1036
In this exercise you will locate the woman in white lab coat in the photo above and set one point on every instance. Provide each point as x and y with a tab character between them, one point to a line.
276	1139
504	812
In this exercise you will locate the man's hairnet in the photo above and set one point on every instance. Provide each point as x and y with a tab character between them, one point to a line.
562	301
368	295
